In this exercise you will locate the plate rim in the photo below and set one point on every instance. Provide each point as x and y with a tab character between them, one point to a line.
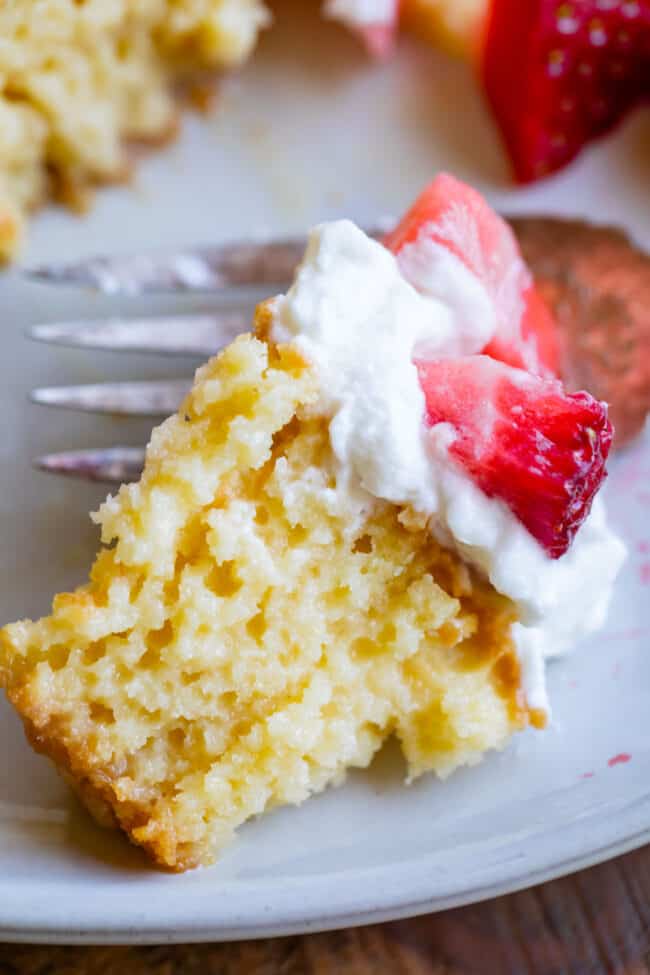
196	927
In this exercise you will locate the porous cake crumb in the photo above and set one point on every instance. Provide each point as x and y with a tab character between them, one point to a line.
251	630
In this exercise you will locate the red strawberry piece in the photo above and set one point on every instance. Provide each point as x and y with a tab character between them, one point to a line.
456	217
539	338
522	439
559	74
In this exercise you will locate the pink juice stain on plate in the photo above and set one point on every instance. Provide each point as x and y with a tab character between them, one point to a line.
621	759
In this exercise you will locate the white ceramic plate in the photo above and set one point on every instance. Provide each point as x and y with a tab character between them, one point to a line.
351	138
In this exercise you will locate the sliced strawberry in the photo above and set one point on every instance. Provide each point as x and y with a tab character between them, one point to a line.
560	74
456	215
457	218
523	440
538	349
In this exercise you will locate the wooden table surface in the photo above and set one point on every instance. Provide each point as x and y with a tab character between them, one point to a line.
595	921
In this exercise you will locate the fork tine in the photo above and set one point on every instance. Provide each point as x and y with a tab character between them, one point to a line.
148	398
212	268
111	465
234	264
172	335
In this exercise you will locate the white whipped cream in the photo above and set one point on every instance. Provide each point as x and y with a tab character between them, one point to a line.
354	315
351	312
434	271
360	13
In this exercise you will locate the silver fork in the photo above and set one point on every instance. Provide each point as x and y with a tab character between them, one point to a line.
218	270
559	253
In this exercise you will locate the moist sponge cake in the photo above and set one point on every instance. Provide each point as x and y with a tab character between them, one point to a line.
249	631
77	77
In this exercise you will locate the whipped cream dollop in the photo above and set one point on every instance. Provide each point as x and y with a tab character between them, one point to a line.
360	13
352	312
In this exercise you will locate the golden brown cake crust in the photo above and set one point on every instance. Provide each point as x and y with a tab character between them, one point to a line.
94	787
106	803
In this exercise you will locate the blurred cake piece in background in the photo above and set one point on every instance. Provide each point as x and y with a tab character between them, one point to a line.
78	79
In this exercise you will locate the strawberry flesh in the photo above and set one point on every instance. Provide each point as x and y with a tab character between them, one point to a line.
456	217
559	74
523	440
537	347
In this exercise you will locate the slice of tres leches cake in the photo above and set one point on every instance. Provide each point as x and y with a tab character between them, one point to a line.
371	517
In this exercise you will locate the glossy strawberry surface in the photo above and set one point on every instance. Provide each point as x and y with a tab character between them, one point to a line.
457	217
558	74
523	440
